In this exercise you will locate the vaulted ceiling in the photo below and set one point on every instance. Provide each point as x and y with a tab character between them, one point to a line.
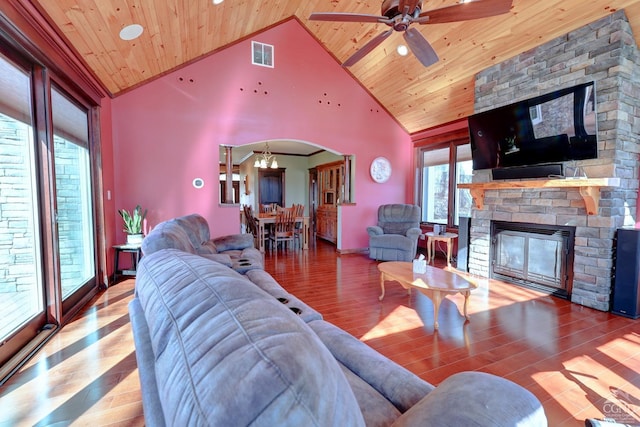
180	31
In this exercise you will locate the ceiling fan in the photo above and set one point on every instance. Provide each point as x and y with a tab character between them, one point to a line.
400	14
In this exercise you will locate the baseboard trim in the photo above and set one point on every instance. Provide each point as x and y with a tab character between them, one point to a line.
352	251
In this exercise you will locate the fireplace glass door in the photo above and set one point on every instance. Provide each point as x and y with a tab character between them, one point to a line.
529	258
533	255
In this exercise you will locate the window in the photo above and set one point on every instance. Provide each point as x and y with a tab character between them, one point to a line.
536	114
441	168
262	54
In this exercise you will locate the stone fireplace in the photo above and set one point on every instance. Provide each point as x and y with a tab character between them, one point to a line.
605	52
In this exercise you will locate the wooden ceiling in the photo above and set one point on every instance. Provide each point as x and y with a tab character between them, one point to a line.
179	31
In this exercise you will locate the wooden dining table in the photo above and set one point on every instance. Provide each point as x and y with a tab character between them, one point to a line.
265	218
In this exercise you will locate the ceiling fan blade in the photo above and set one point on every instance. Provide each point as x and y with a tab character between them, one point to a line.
364	50
420	47
347	17
465	11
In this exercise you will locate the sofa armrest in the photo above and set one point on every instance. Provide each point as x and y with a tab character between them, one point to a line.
374	230
233	242
398	385
477	399
413	233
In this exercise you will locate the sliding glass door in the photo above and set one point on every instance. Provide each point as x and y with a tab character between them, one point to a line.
21	278
74	210
48	263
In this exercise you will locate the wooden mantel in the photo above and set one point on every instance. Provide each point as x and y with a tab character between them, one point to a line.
589	188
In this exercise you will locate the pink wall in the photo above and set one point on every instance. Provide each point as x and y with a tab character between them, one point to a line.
167	132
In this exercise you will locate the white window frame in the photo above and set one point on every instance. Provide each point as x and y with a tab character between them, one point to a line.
262	54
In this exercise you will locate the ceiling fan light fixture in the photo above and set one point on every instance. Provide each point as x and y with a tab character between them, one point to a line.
402	50
400	14
217	1
131	32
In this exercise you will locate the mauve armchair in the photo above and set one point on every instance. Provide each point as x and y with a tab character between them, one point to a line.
395	238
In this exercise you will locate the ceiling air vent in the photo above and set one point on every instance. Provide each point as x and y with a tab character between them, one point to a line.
262	54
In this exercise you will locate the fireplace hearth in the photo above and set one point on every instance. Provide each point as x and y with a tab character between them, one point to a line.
533	255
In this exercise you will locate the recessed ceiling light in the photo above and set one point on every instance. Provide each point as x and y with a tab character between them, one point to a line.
402	50
217	1
131	32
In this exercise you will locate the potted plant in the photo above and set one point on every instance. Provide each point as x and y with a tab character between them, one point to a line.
133	224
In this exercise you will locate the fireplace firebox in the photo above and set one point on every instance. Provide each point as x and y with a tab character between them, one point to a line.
537	256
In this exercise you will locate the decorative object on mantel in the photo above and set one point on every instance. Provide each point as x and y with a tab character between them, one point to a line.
589	188
266	159
380	169
133	224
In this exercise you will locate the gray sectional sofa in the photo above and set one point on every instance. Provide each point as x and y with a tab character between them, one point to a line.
221	347
190	233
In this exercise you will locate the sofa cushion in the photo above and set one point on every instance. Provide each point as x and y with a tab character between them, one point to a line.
233	241
398	218
392	241
227	353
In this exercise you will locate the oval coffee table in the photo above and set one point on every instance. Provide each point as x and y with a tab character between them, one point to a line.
435	283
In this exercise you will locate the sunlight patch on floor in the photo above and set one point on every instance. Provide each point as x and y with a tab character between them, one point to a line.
391	325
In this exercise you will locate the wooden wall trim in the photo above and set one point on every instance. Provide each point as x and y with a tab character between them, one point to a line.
456	135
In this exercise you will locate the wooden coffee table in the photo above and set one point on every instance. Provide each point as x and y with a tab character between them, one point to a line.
435	283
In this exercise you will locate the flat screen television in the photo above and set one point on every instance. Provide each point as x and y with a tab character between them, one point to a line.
556	127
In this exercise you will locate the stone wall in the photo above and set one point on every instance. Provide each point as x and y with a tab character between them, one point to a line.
18	247
17	242
605	52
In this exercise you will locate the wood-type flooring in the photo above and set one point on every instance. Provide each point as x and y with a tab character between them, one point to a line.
579	362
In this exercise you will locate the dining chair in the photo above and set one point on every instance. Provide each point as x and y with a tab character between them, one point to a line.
266	208
252	224
283	228
299	226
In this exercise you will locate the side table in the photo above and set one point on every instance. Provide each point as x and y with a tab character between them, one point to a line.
432	238
136	254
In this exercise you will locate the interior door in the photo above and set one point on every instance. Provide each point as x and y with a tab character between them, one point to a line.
271	186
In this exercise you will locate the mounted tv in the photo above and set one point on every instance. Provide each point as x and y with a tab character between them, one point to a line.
556	127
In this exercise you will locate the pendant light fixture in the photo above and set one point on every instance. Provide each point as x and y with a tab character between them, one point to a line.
266	159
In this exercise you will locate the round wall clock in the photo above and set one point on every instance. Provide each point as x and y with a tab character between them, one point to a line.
380	169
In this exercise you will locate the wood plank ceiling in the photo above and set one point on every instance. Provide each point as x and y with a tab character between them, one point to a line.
179	31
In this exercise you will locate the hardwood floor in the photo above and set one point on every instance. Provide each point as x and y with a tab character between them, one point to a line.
579	362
